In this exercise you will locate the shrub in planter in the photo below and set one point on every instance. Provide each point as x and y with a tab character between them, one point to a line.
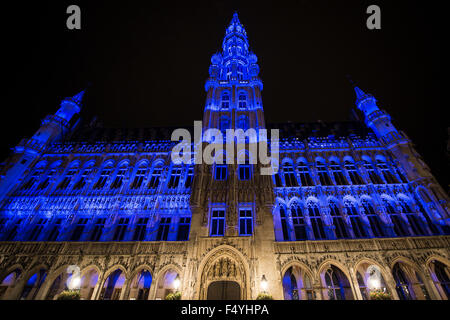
264	296
174	296
69	295
379	295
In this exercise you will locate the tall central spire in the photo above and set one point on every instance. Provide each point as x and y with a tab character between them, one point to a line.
236	62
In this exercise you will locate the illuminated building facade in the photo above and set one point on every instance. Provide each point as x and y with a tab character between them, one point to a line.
349	198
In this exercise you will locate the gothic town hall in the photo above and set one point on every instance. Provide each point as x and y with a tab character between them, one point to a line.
352	210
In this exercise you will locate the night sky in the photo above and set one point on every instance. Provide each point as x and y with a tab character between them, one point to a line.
148	61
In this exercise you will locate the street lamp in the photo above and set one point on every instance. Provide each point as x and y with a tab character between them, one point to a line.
264	283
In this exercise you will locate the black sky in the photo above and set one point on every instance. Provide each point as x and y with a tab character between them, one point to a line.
148	61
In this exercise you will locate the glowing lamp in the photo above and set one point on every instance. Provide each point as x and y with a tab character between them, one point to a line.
74	283
264	283
176	283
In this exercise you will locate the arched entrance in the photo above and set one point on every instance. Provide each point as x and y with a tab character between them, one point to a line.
224	276
224	290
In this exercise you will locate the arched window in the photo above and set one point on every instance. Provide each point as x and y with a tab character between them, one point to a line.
277	179
299	223
316	221
402	284
323	174
433	228
374	177
400	227
243	122
387	174
289	176
67	179
337	174
189	177
340	227
414	221
284	223
242	100
304	174
139	177
353	173
83	177
355	219
155	177
224	124
375	221
104	176
337	284
441	278
118	180
175	176
225	103
28	185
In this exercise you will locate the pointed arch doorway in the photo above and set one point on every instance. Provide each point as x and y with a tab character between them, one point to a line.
224	290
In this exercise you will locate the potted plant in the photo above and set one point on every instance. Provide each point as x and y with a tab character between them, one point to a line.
174	296
69	295
379	294
264	296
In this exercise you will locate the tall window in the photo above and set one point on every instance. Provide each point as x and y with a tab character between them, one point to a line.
79	228
414	221
353	173
156	176
117	183
323	174
224	124
334	284
387	174
355	219
375	221
98	229
401	283
243	123
400	227
221	172
338	222
225	103
139	178
245	222
299	223
54	233
434	230
104	175
217	222
337	174
289	176
121	229
242	100
284	225
65	182
38	229
305	176
163	229
316	221
13	232
32	181
44	184
83	178
183	229
175	176
374	177
244	172
190	177
141	228
277	178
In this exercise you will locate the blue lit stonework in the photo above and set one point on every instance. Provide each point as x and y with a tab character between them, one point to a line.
347	195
